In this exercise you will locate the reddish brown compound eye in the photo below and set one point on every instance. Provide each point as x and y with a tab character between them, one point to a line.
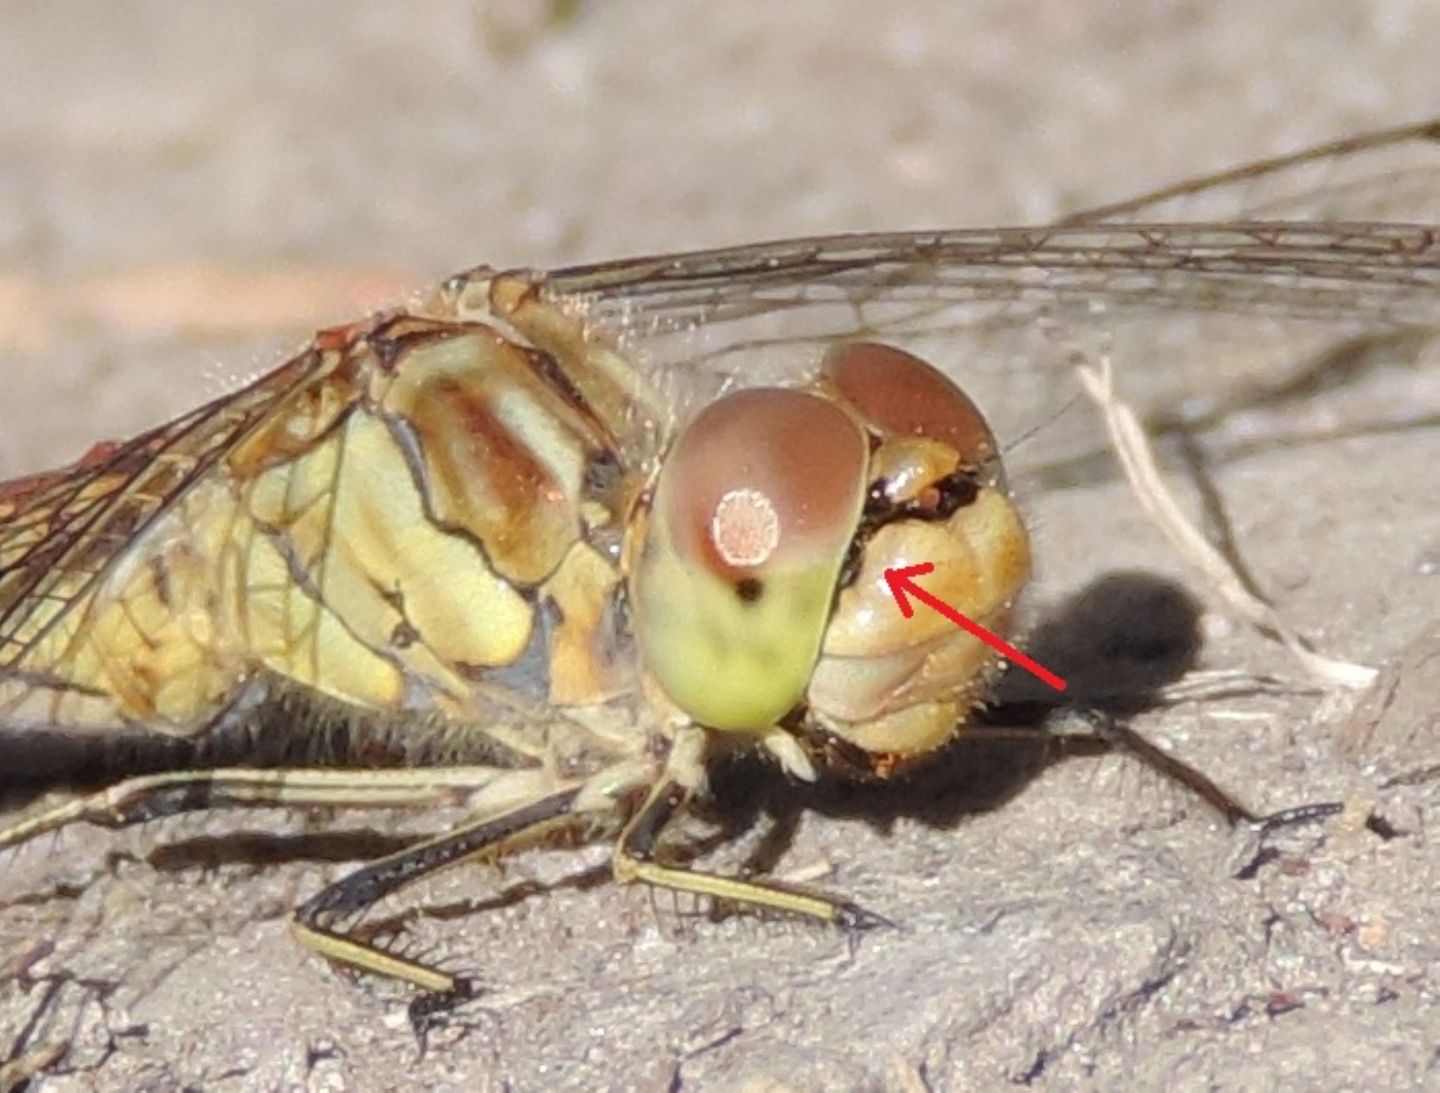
762	480
753	512
899	394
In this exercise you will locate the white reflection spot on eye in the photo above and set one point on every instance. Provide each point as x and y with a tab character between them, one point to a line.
745	528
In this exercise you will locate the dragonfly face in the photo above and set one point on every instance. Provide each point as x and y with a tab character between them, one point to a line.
759	585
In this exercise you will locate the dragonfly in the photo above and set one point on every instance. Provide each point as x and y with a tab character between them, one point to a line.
546	545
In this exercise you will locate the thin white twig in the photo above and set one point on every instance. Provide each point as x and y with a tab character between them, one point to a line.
1137	459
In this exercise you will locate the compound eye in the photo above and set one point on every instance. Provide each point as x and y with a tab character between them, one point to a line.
762	480
752	515
898	394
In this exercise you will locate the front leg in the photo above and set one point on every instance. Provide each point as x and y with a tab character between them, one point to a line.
635	860
316	922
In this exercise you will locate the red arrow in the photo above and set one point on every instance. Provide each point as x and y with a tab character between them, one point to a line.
902	586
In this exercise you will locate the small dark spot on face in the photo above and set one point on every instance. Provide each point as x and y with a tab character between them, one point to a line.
404	635
749	589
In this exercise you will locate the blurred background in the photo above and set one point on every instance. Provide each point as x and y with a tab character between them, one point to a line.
187	189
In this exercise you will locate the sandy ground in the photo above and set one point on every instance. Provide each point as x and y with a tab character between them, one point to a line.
185	190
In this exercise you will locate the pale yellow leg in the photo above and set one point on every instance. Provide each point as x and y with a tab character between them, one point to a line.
151	796
633	861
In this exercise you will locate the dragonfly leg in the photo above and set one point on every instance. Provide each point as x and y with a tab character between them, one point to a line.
494	836
1122	738
635	860
152	796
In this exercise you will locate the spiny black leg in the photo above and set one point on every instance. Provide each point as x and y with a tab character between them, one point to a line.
315	920
1121	737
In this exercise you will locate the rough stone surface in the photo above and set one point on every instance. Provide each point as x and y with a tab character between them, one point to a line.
185	190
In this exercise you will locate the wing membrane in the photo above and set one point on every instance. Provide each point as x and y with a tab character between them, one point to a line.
1298	269
62	533
1241	276
60	528
1188	312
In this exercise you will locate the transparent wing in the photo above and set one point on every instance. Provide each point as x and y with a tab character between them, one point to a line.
73	656
59	529
1193	315
1244	285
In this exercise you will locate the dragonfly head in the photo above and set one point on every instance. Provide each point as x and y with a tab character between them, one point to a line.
757	575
